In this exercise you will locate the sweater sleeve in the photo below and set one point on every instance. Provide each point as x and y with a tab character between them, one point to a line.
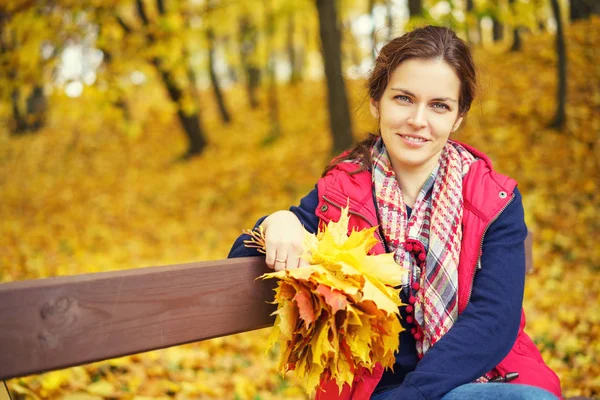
305	212
487	329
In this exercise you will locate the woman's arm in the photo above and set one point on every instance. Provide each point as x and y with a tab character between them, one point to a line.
486	330
305	212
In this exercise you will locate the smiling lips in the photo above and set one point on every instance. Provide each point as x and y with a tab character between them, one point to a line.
413	141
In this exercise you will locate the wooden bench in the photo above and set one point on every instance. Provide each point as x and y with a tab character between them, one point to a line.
62	322
66	321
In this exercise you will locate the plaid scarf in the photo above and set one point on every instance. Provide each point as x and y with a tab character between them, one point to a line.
428	243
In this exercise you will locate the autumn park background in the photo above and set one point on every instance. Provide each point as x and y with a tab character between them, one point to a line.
151	132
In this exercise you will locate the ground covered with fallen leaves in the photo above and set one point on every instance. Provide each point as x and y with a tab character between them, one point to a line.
91	193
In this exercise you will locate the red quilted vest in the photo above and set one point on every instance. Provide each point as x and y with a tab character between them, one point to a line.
486	194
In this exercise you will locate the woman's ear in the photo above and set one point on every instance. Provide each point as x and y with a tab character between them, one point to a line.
374	106
457	123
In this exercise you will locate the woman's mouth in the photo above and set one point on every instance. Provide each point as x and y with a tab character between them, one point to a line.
413	141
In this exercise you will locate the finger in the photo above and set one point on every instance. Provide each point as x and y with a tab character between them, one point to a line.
271	246
293	260
296	263
281	260
270	257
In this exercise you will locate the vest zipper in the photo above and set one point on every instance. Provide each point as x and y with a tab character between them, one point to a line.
371	224
494	372
481	244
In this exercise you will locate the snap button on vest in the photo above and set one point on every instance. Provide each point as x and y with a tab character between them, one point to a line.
324	207
502	195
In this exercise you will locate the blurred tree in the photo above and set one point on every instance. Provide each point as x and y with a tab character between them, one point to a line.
497	24
214	79
561	92
275	131
541	16
582	9
211	23
110	72
516	29
472	23
291	49
248	35
389	16
415	8
295	50
373	33
181	91
24	30
339	114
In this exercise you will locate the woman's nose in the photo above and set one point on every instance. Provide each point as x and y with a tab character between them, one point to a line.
417	118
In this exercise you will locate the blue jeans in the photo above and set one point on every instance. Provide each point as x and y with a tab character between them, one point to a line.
498	391
490	391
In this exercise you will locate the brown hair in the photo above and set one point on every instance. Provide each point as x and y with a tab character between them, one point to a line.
428	43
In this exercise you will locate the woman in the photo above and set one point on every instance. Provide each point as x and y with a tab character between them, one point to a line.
450	220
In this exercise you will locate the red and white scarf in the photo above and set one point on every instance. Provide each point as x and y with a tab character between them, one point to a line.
428	243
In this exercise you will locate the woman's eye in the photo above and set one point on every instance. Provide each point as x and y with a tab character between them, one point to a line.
441	106
402	97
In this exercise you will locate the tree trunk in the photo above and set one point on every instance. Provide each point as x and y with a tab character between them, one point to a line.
561	93
214	80
34	117
193	131
497	29
190	123
473	33
583	9
415	8
293	53
19	124
517	44
339	114
37	105
371	8
275	132
120	102
389	19
248	44
479	30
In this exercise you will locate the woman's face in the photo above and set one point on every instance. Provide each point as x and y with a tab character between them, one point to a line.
417	112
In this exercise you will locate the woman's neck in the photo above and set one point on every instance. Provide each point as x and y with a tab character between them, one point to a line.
411	181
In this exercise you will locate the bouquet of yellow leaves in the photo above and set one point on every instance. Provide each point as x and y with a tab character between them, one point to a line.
339	313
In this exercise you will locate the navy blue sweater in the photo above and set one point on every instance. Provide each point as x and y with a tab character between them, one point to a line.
483	334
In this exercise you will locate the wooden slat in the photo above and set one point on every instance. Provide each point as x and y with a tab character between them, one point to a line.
60	322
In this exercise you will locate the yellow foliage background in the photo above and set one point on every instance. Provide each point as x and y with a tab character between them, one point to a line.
91	193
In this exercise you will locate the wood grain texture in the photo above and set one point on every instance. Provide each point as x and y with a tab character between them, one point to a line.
60	322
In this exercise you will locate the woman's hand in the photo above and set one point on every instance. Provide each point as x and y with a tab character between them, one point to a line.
284	239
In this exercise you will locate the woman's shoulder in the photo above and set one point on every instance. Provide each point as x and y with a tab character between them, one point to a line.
348	167
482	174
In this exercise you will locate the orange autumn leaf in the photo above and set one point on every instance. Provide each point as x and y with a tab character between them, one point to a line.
305	308
336	299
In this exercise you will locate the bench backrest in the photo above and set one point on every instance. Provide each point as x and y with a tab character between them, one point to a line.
60	322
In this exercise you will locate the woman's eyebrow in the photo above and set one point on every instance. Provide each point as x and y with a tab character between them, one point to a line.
446	99
403	91
413	95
